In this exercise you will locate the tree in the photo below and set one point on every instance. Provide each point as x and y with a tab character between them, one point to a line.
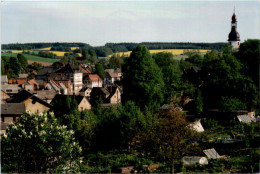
222	77
14	65
171	74
249	55
38	144
118	125
100	70
64	106
115	61
22	60
142	80
170	138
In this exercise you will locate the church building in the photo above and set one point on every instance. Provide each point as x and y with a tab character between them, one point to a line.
233	37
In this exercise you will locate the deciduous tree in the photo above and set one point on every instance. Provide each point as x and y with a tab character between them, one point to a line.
142	80
38	144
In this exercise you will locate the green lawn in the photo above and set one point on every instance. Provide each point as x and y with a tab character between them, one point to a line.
31	57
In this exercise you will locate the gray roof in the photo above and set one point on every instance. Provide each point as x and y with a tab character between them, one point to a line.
14	87
211	153
45	94
46	70
40	82
22	75
4	79
12	108
244	118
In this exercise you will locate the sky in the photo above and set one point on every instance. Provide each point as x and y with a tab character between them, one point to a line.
100	22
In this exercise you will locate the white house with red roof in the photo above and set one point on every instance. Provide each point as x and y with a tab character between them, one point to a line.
92	80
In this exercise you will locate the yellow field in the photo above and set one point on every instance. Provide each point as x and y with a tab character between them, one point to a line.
45	49
14	51
58	53
173	51
61	53
74	48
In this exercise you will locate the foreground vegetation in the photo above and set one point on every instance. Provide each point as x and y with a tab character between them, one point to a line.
137	133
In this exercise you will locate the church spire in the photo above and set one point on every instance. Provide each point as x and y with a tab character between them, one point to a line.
233	37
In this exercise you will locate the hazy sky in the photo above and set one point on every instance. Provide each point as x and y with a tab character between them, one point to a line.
97	23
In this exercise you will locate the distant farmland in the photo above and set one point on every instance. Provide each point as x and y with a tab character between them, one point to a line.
32	57
177	52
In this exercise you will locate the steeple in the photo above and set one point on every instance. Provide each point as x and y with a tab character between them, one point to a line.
233	37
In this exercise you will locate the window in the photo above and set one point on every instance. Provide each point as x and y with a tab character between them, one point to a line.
9	90
37	111
81	108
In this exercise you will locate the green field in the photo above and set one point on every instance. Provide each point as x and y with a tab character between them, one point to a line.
31	57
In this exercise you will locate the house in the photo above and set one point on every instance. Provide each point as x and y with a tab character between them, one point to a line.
59	88
192	160
4	80
85	91
45	95
110	77
118	71
244	118
33	104
41	83
4	96
22	78
45	72
60	78
82	101
125	169
212	154
30	85
92	80
10	112
85	69
11	89
99	92
74	74
109	95
197	126
3	128
115	95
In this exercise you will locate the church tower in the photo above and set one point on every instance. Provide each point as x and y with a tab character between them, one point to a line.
233	37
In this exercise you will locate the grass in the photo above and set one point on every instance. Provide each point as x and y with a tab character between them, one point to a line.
32	57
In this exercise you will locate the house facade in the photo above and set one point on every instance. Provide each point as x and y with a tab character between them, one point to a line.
74	74
85	91
4	97
110	77
32	103
93	80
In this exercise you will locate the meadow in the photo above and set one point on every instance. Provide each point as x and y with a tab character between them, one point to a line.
31	57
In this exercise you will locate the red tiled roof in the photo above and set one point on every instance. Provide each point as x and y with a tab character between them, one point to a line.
94	77
33	82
